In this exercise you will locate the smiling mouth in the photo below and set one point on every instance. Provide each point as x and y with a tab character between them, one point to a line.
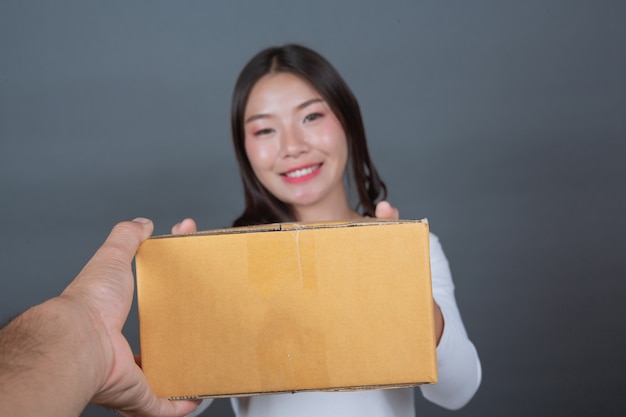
302	172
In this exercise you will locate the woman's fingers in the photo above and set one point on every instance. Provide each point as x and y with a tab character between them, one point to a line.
186	226
384	210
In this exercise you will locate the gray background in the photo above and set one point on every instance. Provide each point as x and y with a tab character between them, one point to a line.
503	122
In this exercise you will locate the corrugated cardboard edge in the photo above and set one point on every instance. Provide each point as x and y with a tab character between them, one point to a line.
277	227
343	389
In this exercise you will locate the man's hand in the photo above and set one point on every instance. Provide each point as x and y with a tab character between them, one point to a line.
103	291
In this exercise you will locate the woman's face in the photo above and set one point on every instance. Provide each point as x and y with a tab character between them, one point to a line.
295	144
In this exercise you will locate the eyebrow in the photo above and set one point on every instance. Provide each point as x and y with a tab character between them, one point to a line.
298	107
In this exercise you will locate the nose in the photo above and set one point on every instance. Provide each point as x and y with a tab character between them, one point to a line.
293	143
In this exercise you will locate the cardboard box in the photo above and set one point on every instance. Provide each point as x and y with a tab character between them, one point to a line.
287	308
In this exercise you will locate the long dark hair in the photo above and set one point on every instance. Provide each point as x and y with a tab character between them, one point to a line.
261	206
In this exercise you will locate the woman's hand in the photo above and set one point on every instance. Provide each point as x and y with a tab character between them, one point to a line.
186	226
384	210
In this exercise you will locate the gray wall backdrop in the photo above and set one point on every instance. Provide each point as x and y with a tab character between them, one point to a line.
503	122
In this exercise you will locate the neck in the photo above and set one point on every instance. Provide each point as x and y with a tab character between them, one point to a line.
333	209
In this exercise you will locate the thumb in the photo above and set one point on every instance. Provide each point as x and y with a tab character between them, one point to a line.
115	255
384	210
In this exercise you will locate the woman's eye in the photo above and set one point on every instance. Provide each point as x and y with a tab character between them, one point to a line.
312	116
261	132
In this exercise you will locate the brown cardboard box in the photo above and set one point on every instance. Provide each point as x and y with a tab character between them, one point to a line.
286	308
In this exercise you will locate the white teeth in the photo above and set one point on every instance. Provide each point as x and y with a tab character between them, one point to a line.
301	172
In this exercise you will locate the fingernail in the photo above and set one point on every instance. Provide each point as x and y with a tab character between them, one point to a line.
142	220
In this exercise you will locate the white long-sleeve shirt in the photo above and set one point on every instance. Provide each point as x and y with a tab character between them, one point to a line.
457	360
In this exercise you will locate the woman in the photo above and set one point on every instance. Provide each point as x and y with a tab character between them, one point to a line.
297	131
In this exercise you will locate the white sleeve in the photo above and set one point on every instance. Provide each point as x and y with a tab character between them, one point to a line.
457	360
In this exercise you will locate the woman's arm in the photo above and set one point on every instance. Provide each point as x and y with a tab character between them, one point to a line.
457	359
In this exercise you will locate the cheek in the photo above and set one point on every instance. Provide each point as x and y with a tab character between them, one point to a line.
335	141
342	151
260	153
343	154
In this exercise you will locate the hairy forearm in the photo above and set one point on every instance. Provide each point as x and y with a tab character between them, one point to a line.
46	365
